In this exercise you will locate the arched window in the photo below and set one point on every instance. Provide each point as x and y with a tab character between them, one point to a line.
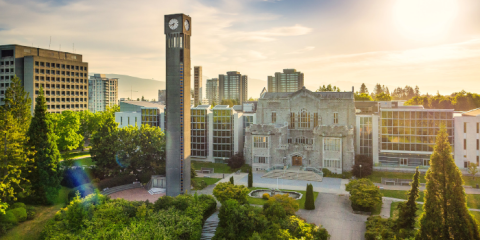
304	119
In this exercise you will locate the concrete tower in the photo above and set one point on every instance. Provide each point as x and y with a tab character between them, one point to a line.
178	29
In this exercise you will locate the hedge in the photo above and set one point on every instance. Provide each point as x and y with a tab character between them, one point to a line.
116	181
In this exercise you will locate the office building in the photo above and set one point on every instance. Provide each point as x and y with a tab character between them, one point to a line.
467	135
233	85
197	85
162	96
302	128
178	29
102	92
140	112
212	91
287	81
62	75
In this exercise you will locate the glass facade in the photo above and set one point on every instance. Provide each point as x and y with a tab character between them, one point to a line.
222	133
366	144
150	116
199	130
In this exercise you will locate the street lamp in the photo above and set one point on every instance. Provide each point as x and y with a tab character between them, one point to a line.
360	170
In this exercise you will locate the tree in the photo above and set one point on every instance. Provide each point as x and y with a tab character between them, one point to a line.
229	102
363	89
445	213
364	195
226	190
367	166
407	210
363	97
46	175
236	161
250	178
289	204
473	169
328	88
417	91
103	149
67	130
309	198
383	97
231	180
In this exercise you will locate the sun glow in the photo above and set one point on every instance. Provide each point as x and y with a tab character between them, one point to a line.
425	19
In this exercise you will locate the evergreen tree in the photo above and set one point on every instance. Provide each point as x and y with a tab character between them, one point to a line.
445	213
250	178
231	180
18	103
309	198
363	89
46	175
104	142
407	210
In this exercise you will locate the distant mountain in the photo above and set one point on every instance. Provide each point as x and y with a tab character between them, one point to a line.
140	86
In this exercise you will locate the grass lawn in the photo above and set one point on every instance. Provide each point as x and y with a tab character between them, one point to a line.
217	167
31	229
83	161
77	154
209	181
260	201
473	200
377	177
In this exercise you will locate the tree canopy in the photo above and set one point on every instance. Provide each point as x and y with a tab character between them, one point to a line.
328	88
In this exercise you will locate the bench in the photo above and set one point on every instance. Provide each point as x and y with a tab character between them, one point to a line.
389	182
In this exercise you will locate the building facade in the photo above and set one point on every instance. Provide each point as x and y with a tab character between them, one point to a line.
303	128
467	138
102	92
212	91
62	75
162	96
233	85
287	81
140	112
197	84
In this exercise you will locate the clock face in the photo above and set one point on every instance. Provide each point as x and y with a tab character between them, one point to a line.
173	23
187	25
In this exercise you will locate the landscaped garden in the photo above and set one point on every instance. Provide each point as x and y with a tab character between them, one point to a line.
261	201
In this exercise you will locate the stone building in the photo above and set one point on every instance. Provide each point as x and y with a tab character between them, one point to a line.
302	128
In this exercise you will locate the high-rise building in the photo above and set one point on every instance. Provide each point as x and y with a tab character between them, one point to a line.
233	86
178	31
62	75
162	95
212	91
197	90
102	92
288	81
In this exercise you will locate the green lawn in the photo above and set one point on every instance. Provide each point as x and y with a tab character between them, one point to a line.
209	181
377	177
260	201
83	161
77	154
217	167
31	229
473	200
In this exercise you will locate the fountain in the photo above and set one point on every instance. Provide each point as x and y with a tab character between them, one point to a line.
259	193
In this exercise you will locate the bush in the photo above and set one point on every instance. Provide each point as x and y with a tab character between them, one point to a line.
84	190
145	177
379	228
326	172
236	161
367	166
288	203
226	190
266	196
31	212
20	214
309	198
18	205
364	195
199	185
116	181
74	178
231	180
245	168
8	218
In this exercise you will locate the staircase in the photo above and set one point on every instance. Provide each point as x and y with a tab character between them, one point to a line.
210	227
153	191
120	188
294	175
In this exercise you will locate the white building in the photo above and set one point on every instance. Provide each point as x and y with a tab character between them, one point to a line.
140	112
467	128
102	92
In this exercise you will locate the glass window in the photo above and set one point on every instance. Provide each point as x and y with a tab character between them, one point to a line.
260	142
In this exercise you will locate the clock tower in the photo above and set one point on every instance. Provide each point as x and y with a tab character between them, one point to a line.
178	29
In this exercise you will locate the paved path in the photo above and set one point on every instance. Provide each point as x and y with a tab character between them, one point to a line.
334	213
210	227
468	190
136	194
386	206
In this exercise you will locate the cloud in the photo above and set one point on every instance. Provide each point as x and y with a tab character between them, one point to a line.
303	50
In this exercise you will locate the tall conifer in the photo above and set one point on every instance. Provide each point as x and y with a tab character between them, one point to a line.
309	198
46	175
408	209
445	215
250	178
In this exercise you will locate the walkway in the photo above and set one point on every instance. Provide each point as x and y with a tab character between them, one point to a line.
468	190
335	214
136	194
210	227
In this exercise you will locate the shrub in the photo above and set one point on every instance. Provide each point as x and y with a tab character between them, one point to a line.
31	212
379	228
8	218
266	196
163	203
367	166
18	205
364	195
116	181
236	161
145	177
231	180
309	198
245	168
226	190
326	172
288	203
250	178
20	214
84	190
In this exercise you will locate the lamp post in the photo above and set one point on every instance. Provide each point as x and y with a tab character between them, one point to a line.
360	170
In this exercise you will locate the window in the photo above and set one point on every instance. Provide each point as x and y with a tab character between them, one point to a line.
478	144
465	127
335	118
465	144
465	164
257	159
331	163
315	119
260	142
478	160
478	127
403	161
292	120
121	120
128	120
274	117
331	144
426	162
304	119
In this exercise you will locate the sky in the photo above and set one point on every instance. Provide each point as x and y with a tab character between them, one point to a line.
434	44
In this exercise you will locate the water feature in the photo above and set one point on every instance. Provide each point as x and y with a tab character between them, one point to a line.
259	193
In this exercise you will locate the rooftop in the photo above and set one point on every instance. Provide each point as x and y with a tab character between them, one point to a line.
472	113
145	104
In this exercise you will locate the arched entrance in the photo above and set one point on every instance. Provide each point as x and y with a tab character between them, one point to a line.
296	160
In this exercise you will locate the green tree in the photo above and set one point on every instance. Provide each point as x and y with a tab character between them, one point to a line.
103	144
473	169
383	97
363	97
407	210
328	88
250	178
226	190
363	89
364	195
229	102
289	204
445	213
309	198
236	161
46	175
66	127
87	125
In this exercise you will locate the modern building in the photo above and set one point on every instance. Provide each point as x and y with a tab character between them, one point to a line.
162	96
302	128
62	75
198	85
287	81
140	112
233	85
178	31
212	91
102	92
467	132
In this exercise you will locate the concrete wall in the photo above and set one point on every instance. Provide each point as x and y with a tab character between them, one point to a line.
122	119
470	154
